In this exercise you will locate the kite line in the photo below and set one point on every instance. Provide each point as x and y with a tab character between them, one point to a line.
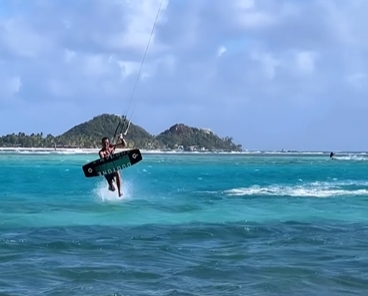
123	126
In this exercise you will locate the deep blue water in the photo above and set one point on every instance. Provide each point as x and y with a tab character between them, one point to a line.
186	225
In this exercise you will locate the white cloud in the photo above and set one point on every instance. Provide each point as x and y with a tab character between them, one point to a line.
17	36
268	63
243	4
306	61
221	51
139	18
69	55
128	68
263	66
248	16
96	65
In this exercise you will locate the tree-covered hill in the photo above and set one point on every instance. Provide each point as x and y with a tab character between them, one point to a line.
90	133
191	138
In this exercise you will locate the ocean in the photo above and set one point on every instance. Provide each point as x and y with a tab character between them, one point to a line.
187	224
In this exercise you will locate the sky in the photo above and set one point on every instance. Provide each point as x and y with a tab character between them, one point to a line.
272	74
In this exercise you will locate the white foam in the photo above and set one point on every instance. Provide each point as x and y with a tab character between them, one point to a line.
350	157
296	191
103	194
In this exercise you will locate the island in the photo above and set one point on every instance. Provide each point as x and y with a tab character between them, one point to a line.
88	135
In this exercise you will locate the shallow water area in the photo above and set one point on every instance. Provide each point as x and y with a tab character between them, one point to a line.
188	224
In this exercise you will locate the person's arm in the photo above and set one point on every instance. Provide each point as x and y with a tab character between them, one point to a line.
122	144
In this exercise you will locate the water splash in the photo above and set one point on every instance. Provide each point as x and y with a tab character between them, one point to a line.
103	194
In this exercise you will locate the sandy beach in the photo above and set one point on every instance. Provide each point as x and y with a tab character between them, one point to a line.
89	150
40	150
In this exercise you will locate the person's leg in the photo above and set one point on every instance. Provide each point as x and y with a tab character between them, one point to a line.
118	183
109	178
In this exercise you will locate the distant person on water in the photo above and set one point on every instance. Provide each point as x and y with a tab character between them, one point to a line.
332	155
107	150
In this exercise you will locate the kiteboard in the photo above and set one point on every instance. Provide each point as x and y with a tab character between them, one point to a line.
113	163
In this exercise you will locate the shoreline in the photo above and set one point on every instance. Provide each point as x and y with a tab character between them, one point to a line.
42	150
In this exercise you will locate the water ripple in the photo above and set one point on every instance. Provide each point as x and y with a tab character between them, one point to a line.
198	259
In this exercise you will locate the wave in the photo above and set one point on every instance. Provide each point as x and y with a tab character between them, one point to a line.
314	189
352	157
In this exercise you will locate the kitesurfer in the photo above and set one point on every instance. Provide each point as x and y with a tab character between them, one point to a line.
107	150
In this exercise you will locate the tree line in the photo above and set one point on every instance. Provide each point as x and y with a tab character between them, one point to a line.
90	133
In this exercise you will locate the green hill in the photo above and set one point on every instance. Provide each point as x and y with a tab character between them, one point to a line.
191	138
89	134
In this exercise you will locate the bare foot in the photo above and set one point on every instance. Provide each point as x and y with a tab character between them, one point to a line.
111	188
120	194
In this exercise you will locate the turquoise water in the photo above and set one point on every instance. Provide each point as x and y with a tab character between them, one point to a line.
186	225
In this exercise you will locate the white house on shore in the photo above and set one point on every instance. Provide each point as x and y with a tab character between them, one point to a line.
207	131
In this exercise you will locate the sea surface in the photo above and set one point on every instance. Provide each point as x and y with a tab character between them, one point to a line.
196	224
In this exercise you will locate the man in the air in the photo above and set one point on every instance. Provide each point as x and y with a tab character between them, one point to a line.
107	150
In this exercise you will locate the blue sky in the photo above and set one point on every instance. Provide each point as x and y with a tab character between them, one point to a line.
273	74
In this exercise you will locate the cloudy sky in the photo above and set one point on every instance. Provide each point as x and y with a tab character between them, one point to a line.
273	74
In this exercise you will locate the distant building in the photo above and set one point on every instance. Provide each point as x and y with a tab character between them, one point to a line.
207	131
